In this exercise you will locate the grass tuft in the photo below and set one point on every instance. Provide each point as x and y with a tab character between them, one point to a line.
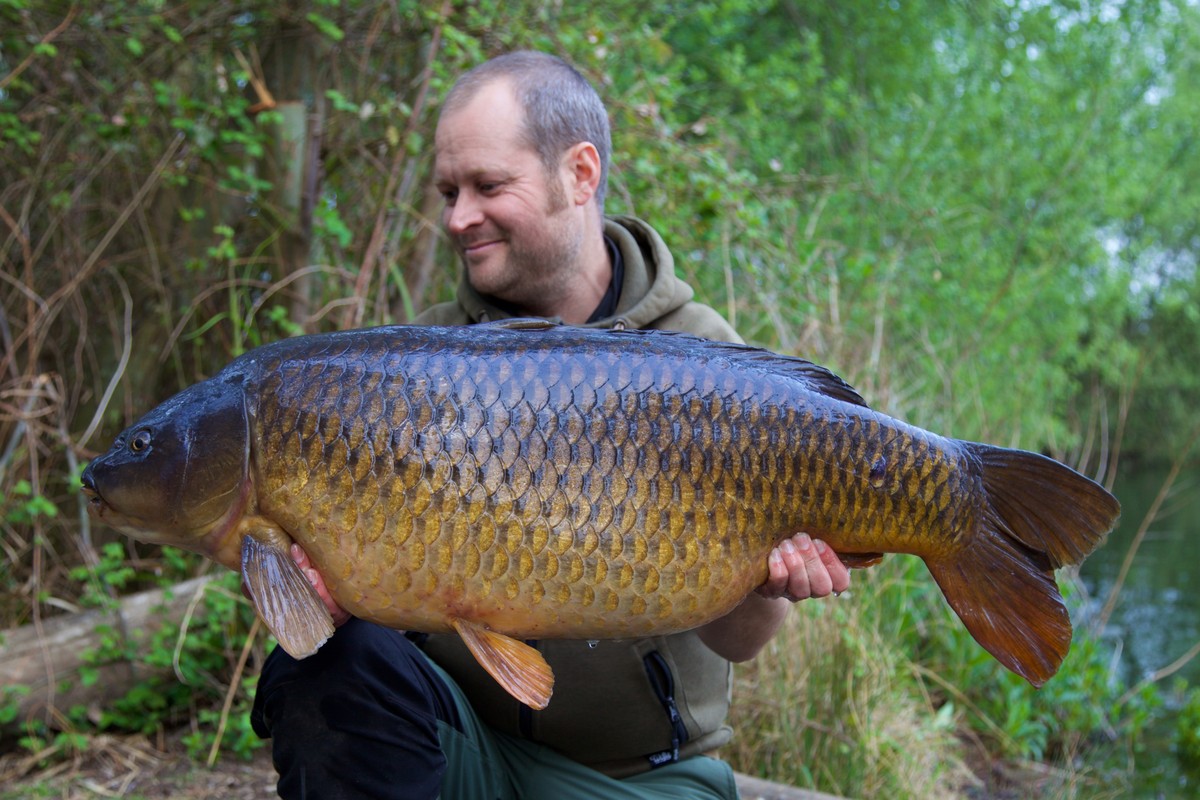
831	704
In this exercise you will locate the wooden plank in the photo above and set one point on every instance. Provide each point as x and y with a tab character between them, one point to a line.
752	788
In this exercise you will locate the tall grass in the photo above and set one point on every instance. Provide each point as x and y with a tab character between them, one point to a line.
832	703
882	693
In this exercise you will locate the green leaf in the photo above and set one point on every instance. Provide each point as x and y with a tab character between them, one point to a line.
326	26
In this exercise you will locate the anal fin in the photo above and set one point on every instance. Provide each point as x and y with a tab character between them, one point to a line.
287	603
516	666
860	560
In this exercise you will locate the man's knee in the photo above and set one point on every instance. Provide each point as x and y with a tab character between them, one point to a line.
347	720
364	669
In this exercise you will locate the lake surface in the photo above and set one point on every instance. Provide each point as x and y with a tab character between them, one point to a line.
1157	617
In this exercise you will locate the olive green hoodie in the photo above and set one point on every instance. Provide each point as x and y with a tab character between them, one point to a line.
621	707
652	295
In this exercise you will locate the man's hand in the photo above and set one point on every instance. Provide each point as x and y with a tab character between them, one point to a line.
800	568
340	615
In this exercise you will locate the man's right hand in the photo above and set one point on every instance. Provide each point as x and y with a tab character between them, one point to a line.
340	615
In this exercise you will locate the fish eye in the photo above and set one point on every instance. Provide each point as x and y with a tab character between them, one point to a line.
140	441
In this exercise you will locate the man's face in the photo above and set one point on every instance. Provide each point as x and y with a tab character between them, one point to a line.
509	219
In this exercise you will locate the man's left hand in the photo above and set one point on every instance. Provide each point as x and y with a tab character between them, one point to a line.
802	567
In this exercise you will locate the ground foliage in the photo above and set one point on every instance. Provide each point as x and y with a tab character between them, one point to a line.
983	214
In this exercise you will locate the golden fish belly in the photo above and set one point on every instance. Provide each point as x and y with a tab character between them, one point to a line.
578	492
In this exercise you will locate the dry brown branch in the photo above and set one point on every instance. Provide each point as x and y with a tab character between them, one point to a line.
47	39
119	372
1161	673
39	328
173	336
355	314
266	100
1164	491
235	683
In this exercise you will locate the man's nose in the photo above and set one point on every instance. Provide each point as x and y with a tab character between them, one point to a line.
464	214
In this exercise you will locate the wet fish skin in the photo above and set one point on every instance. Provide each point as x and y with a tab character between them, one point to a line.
545	482
479	486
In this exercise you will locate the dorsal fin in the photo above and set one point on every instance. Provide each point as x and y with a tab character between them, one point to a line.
815	378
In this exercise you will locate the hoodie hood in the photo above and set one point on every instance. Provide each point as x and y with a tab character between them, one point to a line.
652	296
650	290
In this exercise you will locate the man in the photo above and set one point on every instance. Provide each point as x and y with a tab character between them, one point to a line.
522	151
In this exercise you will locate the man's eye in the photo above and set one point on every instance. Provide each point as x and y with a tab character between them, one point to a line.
449	195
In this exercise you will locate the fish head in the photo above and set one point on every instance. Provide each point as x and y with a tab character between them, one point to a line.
178	474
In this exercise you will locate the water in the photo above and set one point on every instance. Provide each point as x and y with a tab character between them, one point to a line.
1157	617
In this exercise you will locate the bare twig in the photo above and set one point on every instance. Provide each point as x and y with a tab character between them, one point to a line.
169	344
49	37
1164	491
727	265
181	639
964	701
1159	674
119	372
354	317
282	283
22	417
39	328
234	682
254	73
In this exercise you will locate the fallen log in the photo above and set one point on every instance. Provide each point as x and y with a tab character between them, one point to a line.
46	658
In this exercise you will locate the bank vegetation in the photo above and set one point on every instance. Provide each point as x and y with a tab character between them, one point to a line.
983	215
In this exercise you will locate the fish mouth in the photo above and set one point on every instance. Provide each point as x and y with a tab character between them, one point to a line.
96	505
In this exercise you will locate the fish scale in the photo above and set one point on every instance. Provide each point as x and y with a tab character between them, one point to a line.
522	480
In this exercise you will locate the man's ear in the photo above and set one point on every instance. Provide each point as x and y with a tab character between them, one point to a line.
582	163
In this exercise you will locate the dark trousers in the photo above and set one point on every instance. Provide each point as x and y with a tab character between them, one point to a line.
358	719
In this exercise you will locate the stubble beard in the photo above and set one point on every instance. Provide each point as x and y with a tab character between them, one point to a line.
539	271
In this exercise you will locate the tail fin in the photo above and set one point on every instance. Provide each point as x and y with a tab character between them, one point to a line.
1038	515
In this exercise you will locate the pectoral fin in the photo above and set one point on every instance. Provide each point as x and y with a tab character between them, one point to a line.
516	666
286	601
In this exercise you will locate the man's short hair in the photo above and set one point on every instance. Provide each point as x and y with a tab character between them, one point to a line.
561	107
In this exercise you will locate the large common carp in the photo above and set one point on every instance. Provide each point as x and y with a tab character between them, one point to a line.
523	480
